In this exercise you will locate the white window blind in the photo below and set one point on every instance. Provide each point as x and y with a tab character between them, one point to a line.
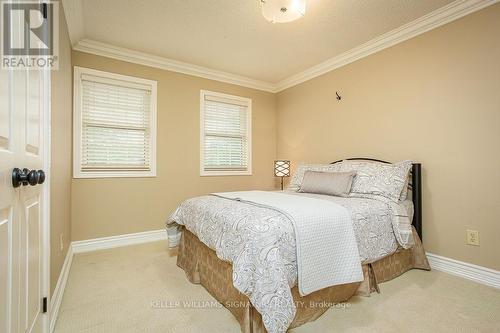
226	138
116	125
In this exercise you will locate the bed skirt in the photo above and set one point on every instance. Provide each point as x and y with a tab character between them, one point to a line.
202	266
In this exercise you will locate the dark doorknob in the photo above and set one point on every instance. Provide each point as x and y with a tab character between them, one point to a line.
33	177
25	177
41	176
19	177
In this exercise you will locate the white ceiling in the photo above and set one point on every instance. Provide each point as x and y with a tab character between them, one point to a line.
232	36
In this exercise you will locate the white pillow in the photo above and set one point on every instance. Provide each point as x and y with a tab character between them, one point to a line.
298	176
374	178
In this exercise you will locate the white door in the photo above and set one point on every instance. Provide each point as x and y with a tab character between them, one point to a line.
23	210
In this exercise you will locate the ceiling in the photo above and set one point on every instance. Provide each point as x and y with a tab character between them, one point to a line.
232	36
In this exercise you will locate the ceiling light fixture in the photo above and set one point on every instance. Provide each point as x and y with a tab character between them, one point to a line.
282	11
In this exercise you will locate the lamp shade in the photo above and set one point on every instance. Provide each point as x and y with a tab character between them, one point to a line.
282	168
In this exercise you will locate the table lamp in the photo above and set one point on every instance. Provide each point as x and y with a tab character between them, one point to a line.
282	169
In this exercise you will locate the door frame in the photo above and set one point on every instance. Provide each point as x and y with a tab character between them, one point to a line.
45	260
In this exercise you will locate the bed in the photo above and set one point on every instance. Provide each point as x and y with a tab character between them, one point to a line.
243	248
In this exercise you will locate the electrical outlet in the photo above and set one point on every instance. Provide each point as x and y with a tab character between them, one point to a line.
61	242
473	237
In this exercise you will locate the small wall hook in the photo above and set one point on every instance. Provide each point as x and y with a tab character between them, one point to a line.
338	96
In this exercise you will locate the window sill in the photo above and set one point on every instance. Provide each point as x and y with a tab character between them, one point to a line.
115	174
225	173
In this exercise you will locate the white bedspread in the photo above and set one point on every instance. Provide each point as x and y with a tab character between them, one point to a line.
327	252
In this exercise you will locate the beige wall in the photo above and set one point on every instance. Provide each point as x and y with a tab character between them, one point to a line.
60	180
106	207
434	99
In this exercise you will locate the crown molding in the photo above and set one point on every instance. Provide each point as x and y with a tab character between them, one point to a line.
435	19
141	58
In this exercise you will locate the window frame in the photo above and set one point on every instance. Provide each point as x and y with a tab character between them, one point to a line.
248	101
132	82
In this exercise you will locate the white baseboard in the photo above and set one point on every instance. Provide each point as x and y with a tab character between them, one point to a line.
118	241
56	299
483	275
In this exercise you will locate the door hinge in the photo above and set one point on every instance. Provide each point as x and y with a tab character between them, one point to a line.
44	305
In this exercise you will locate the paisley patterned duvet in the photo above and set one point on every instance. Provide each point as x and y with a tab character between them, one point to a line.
232	228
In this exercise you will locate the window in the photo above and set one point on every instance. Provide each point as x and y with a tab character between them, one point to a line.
225	135
114	125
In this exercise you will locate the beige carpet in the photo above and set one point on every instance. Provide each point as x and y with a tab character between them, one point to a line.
135	289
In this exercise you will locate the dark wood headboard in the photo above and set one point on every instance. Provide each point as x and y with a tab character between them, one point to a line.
415	186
